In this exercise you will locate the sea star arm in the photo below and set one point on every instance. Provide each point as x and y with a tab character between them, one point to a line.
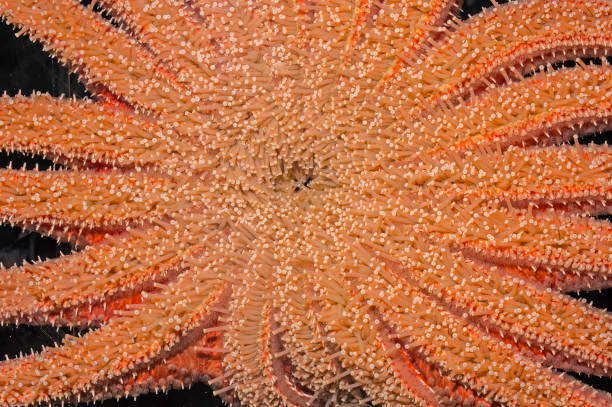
425	345
268	375
173	37
248	336
463	363
63	203
504	43
546	108
571	179
191	51
297	327
86	287
364	359
315	361
43	292
365	31
345	61
199	362
167	323
548	326
273	374
565	253
83	133
268	78
360	372
202	356
100	53
217	48
384	33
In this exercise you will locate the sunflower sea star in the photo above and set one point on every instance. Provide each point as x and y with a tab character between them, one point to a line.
314	202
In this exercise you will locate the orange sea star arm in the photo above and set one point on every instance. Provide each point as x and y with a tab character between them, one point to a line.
346	59
75	289
100	53
250	333
67	201
548	326
543	109
574	179
572	252
485	49
430	344
315	359
444	342
83	133
167	323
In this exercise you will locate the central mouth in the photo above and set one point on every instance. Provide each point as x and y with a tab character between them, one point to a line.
296	178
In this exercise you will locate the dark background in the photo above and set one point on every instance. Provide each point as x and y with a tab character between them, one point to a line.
25	68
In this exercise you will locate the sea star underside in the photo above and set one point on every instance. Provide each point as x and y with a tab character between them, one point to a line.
312	203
